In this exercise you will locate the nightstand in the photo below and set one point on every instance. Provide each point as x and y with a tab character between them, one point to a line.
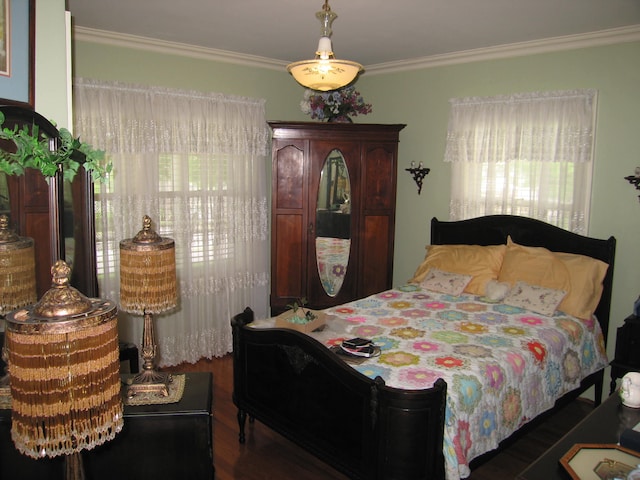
627	357
174	440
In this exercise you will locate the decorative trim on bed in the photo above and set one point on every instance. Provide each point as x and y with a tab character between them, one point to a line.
298	359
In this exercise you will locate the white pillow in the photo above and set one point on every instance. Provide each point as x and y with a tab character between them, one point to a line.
445	282
538	299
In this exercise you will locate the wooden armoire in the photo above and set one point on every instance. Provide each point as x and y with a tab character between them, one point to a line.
333	211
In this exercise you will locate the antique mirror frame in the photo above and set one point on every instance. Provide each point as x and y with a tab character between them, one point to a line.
75	217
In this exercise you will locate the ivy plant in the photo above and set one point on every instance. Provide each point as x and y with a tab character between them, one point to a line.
32	151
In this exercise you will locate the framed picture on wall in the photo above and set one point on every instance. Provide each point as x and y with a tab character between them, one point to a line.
17	52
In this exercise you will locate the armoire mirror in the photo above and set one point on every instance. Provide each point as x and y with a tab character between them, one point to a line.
57	214
333	223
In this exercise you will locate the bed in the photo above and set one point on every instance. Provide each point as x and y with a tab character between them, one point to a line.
446	387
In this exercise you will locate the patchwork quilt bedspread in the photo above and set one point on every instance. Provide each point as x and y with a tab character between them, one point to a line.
333	256
503	365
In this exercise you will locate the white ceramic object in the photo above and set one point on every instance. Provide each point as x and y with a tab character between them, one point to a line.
630	390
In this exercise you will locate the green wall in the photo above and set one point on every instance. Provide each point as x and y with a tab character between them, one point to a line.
419	98
51	64
100	61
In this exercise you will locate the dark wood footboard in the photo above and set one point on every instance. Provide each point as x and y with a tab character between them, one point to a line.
299	388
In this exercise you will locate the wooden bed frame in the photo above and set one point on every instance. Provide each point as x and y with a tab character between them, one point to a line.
299	388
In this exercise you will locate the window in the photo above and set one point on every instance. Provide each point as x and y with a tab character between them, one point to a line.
188	179
196	164
525	154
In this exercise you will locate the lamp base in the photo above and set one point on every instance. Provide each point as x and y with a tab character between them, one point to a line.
150	381
74	467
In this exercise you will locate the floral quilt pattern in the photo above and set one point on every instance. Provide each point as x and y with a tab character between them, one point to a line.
333	256
503	365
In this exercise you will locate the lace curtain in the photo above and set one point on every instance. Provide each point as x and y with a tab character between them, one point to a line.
524	154
196	164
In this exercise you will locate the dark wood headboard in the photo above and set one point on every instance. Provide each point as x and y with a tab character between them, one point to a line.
494	229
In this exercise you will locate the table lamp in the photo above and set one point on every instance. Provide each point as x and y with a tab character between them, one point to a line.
65	373
147	287
17	276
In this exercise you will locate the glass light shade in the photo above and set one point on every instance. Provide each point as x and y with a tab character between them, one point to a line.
324	75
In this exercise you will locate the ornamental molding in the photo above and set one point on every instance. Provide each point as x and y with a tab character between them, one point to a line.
554	44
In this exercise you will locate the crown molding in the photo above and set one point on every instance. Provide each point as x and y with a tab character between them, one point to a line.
547	45
568	42
173	48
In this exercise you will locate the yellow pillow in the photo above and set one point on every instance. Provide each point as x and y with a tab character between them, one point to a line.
535	266
481	262
586	275
578	275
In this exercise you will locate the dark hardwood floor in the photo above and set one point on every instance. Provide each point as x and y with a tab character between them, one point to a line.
267	455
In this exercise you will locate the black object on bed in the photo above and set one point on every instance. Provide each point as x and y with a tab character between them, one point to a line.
299	388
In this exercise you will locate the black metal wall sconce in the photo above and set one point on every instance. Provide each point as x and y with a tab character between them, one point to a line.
418	173
634	179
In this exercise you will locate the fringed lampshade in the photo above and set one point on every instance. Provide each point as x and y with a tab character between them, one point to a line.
148	286
17	269
17	276
65	379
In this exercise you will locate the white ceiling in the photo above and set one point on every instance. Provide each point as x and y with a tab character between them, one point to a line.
371	32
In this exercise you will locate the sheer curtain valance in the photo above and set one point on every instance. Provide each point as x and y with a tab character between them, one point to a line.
525	154
196	164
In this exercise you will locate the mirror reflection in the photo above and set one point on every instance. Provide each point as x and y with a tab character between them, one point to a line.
74	249
4	196
333	223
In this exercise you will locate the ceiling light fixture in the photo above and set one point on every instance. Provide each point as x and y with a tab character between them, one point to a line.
324	72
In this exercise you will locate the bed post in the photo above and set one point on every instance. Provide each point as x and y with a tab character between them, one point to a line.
237	322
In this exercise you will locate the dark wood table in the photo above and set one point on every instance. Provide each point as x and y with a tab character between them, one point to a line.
603	425
157	441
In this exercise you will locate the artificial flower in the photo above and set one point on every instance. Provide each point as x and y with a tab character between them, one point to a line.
343	102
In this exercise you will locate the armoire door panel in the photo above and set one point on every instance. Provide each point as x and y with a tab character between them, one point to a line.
289	252
289	177
379	175
376	255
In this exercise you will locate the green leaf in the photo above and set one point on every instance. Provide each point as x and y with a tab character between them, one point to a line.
32	151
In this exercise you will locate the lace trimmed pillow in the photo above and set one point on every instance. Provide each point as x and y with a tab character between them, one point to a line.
538	299
445	282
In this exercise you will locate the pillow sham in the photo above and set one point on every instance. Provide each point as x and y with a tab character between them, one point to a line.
535	298
445	282
481	262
